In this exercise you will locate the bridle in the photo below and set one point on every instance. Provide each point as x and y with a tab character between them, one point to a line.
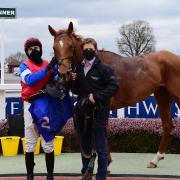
73	64
73	57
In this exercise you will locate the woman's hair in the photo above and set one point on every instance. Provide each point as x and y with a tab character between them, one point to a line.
89	41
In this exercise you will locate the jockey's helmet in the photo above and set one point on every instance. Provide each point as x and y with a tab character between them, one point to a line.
32	42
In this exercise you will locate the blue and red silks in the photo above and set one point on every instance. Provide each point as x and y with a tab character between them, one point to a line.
50	114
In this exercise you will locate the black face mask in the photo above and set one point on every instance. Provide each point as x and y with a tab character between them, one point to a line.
35	56
88	54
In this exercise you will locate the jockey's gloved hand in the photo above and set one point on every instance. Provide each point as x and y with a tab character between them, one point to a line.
52	63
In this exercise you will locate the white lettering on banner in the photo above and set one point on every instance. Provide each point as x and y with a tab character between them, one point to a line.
133	107
177	113
120	113
13	13
13	107
7	12
150	108
3	12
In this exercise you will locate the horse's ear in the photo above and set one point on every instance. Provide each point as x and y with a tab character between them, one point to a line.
52	31
70	28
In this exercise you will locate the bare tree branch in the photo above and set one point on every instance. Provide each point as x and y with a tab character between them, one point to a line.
136	39
18	57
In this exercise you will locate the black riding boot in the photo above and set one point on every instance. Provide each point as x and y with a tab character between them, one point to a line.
29	160
50	165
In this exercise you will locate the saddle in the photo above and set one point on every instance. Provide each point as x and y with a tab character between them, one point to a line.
56	88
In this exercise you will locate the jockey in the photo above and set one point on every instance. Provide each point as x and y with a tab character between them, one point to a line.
35	74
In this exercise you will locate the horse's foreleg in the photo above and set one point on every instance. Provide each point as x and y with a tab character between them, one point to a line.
167	127
153	163
164	101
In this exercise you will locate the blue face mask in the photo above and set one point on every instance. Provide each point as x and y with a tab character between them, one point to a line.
88	54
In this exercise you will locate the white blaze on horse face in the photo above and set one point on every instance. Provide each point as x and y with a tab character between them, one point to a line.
61	43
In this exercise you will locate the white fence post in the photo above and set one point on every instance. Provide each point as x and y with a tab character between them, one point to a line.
2	104
2	51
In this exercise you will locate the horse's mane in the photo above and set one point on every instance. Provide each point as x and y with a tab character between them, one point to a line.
109	52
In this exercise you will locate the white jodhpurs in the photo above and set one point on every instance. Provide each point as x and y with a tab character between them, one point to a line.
31	133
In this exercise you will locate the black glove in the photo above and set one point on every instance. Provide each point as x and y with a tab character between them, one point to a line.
52	63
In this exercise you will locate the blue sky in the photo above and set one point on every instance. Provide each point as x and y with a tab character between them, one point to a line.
99	19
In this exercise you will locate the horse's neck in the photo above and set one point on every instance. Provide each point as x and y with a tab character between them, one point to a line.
107	57
79	53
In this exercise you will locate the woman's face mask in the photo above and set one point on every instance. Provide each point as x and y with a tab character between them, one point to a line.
89	54
89	51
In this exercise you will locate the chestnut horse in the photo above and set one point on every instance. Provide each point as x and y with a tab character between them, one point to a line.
138	78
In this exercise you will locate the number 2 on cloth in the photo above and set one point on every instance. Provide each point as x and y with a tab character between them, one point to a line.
45	123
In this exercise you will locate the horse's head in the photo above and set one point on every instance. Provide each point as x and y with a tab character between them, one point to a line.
67	48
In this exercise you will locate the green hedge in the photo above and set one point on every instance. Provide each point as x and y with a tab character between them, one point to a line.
129	135
141	142
137	142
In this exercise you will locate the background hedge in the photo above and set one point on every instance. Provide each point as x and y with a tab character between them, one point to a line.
129	135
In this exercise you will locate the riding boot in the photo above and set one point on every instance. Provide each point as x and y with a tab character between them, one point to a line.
29	160
50	165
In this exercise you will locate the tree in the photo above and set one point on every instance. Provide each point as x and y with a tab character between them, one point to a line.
17	57
136	39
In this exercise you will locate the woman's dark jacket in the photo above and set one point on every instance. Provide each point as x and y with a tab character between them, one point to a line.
100	81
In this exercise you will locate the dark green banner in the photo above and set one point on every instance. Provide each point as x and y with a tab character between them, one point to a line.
8	13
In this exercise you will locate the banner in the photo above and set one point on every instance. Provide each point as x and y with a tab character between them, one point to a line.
144	109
